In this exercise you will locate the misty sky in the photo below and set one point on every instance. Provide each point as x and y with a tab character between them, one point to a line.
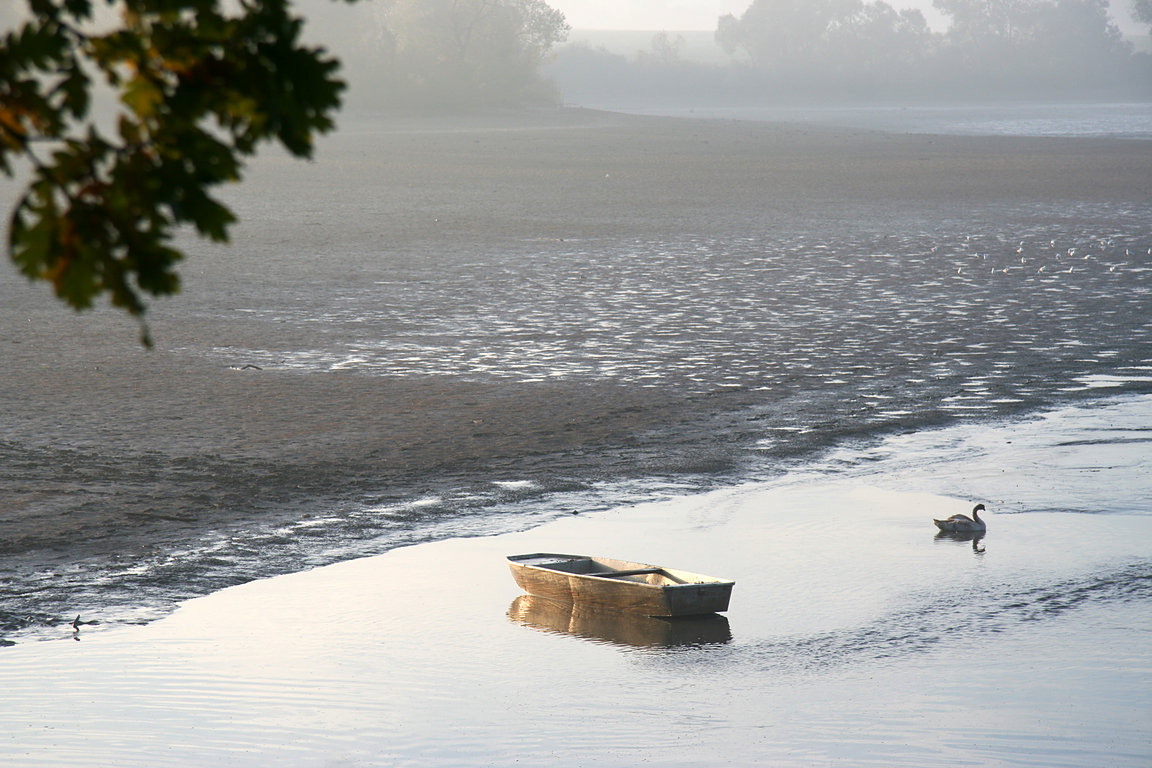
680	15
673	14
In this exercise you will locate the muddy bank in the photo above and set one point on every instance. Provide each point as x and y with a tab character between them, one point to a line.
114	451
282	382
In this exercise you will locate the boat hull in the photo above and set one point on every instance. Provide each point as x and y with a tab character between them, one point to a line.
607	584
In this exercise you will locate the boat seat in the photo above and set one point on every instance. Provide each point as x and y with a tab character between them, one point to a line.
633	572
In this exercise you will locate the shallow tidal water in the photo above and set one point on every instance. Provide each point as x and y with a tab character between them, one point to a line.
702	302
815	347
783	349
856	635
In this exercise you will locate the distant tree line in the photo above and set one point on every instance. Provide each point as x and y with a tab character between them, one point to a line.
459	54
816	49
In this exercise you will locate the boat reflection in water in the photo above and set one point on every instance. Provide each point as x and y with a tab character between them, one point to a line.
618	628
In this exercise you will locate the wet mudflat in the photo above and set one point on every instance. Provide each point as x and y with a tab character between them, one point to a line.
442	329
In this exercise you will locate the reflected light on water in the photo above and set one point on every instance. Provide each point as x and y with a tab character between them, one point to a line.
854	633
619	628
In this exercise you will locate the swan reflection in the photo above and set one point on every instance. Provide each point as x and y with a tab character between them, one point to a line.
619	628
964	536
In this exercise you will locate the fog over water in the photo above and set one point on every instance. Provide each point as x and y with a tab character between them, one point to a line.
760	53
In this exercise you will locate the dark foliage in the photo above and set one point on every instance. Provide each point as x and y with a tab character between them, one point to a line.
199	87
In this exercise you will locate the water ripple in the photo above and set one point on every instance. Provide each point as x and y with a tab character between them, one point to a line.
979	323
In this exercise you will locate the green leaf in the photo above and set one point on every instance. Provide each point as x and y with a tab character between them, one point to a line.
73	91
202	87
142	96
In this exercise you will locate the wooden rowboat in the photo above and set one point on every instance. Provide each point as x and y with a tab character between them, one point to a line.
620	585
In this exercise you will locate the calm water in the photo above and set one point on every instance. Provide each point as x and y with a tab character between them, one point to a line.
856	636
1120	120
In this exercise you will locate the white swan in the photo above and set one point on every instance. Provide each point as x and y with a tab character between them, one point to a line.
963	523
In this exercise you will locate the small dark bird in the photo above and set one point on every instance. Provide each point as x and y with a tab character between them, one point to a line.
76	623
963	523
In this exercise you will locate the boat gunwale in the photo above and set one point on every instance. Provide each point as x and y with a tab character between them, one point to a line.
513	560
